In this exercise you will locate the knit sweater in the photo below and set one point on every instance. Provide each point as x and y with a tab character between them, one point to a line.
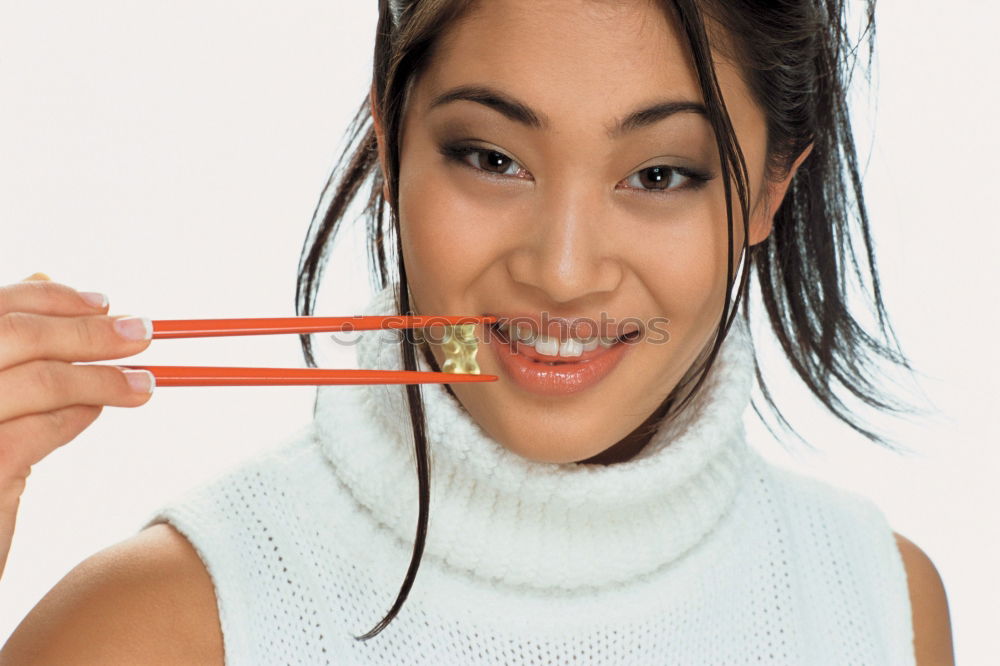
696	551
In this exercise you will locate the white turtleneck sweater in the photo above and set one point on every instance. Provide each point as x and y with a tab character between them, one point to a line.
697	551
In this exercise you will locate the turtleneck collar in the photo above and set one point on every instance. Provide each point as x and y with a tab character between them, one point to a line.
513	521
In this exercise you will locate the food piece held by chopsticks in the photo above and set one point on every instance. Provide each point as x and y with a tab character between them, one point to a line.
460	346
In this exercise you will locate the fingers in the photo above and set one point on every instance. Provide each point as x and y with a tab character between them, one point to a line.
46	398
45	297
38	293
25	336
45	385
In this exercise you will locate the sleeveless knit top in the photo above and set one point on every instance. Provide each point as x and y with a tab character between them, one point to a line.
696	551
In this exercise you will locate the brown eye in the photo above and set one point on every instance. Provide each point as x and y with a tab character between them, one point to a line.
662	179
492	161
485	159
656	178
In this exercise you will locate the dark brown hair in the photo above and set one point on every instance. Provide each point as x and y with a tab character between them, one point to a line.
797	62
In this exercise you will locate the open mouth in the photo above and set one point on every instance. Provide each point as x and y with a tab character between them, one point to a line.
517	346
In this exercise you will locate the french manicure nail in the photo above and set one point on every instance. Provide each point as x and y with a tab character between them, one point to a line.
140	381
94	299
134	328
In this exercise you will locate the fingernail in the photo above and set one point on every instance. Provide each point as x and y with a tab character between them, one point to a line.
37	276
134	328
140	381
94	298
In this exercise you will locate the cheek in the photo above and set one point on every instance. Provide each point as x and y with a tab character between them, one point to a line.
450	231
430	251
682	259
434	227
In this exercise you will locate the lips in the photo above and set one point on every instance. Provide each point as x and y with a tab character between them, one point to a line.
553	375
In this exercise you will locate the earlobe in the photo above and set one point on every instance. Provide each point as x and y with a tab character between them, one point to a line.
762	223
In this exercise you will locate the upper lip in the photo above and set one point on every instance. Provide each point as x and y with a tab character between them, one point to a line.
562	327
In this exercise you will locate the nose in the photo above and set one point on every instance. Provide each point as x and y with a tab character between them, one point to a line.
566	251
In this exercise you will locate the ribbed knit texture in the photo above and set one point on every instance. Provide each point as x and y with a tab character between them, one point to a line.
697	551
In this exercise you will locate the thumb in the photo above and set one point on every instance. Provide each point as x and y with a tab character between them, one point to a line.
37	276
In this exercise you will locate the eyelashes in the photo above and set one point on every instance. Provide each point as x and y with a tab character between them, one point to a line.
665	174
458	153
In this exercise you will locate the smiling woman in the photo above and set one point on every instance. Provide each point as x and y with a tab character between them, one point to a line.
568	183
585	171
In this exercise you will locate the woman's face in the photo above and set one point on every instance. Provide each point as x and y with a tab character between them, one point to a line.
559	213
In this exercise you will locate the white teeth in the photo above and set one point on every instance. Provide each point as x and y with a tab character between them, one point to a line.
547	346
572	347
553	347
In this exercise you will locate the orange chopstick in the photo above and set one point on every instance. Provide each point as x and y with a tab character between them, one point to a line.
181	375
205	328
174	375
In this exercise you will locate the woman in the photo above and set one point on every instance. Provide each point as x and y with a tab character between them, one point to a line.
617	164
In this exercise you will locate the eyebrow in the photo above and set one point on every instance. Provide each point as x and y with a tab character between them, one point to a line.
522	113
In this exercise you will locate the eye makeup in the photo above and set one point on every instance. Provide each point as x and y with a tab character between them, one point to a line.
694	178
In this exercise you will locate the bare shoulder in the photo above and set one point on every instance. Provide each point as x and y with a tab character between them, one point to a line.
148	599
932	640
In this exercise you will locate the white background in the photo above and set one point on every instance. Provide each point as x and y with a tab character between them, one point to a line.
171	155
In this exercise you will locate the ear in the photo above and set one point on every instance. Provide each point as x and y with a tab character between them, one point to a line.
380	139
762	220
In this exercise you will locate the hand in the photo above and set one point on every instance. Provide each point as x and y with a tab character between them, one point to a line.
46	399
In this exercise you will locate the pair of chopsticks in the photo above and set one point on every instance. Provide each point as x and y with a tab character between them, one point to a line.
175	375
